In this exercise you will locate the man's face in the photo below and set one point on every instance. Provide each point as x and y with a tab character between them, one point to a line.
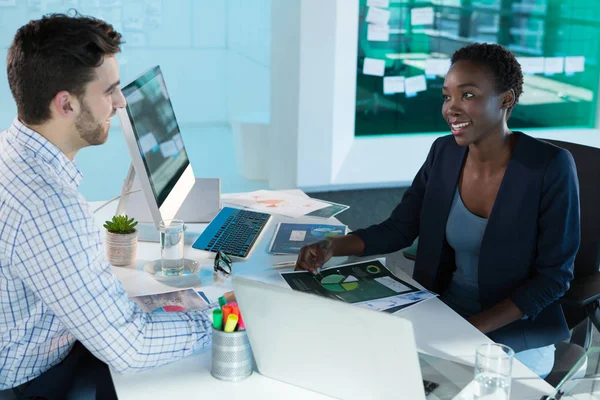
99	103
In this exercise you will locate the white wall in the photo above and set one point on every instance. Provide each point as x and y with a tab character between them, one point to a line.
285	87
327	64
344	83
317	77
311	61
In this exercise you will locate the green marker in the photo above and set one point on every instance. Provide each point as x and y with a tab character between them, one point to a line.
218	319
222	301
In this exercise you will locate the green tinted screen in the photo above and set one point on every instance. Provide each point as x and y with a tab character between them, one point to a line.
406	46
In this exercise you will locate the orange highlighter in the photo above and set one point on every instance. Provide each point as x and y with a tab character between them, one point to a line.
226	311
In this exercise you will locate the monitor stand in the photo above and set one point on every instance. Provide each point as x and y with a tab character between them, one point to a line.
200	206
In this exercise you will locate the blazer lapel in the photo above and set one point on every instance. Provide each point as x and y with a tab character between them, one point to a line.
503	222
432	268
451	176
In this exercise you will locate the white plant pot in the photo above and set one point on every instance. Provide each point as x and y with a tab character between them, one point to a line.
121	248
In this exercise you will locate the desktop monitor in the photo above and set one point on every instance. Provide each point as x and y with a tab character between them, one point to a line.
158	155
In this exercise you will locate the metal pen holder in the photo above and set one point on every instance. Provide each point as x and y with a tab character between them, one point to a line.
231	355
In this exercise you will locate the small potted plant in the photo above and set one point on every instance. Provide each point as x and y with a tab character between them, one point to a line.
121	240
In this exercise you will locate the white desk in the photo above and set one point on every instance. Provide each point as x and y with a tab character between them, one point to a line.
438	330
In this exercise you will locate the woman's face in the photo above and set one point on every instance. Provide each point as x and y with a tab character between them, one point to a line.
472	106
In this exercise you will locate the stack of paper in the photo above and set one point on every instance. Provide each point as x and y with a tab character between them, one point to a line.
276	203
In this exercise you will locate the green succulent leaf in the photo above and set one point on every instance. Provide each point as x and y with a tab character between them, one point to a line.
121	224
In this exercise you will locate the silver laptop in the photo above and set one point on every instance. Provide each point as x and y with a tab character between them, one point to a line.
329	346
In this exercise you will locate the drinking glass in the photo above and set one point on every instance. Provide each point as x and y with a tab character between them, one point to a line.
493	371
171	247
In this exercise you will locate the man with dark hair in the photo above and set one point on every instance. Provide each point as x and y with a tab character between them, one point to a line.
61	303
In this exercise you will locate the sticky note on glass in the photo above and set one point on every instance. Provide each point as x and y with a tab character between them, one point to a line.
554	65
168	149
393	84
531	65
378	33
415	84
373	66
378	3
422	16
574	64
147	142
378	16
437	66
297	236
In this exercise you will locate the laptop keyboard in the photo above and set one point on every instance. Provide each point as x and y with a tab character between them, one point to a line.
233	232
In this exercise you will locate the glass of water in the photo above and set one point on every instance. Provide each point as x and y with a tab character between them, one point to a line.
493	371
171	247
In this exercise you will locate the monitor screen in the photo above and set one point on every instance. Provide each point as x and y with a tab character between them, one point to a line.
156	131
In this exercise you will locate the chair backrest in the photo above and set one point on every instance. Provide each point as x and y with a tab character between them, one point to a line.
587	160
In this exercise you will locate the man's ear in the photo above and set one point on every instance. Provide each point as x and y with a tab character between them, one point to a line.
65	105
509	99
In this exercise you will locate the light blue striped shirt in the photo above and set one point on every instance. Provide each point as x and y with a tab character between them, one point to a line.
56	286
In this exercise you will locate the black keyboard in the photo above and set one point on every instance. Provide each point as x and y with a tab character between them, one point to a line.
232	231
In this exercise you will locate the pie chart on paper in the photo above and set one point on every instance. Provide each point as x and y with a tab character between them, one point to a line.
339	283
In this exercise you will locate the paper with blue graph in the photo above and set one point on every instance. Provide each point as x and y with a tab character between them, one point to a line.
366	284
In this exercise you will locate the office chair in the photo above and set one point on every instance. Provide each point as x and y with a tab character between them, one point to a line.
581	303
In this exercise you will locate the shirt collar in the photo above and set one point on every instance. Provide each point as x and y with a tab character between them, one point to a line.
43	148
